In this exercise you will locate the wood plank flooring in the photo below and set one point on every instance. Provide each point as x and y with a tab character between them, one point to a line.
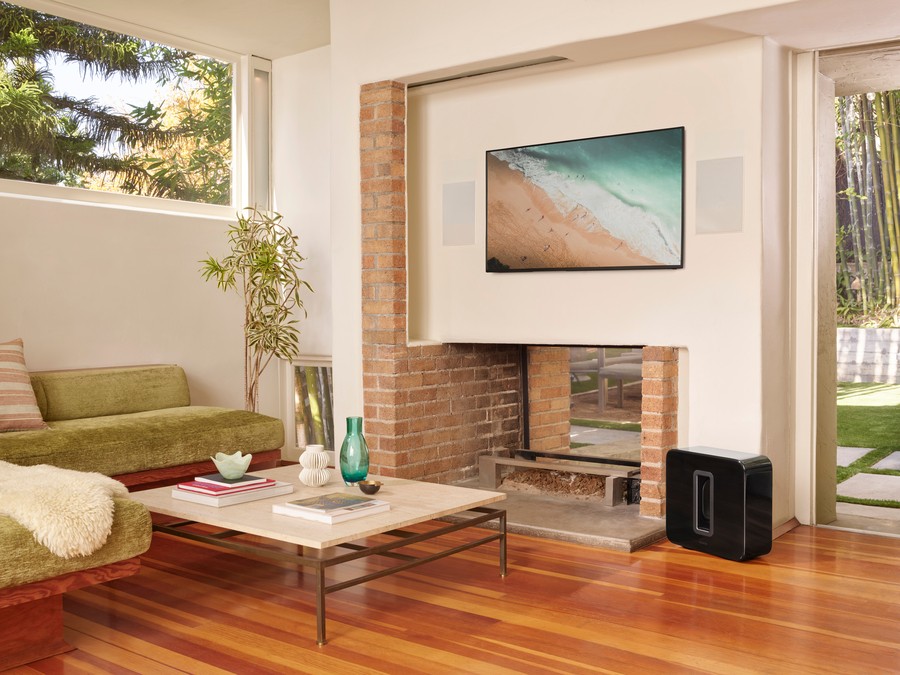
823	601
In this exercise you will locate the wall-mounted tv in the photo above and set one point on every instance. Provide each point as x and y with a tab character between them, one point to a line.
603	203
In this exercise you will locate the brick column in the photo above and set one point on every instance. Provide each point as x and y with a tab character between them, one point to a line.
659	428
549	398
430	410
382	151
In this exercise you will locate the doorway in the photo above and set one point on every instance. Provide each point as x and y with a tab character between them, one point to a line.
867	297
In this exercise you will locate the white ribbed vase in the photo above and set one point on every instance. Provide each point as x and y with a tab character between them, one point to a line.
314	460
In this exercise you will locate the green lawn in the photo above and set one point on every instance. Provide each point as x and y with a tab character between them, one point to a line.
868	416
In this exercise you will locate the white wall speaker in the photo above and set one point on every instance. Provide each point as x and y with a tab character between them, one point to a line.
720	195
458	211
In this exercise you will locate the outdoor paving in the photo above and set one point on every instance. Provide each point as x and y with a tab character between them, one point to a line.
892	461
862	518
846	456
871	486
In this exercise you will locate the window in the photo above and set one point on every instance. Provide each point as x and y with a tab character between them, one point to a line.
82	106
313	403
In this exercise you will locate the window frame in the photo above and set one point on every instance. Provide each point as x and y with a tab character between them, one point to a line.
258	114
241	136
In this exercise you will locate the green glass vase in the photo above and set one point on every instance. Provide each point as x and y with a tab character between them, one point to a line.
354	457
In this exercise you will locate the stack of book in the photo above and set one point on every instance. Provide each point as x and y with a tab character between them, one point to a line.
216	490
335	507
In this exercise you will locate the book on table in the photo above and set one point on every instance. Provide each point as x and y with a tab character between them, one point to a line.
332	508
275	489
219	479
219	490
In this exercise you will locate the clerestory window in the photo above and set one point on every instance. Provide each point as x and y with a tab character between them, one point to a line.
86	107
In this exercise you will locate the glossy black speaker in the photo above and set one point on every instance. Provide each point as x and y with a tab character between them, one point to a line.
719	502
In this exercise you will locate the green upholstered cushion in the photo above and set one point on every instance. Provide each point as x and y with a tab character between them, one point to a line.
23	560
119	444
95	392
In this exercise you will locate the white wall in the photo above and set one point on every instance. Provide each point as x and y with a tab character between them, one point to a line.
777	365
711	307
301	161
401	39
91	286
301	158
398	39
90	279
87	285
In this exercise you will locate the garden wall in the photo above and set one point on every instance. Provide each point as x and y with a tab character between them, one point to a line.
868	355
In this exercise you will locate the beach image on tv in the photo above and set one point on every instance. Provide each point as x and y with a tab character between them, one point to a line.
610	202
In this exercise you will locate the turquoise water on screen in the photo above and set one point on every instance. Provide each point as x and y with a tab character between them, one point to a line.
632	184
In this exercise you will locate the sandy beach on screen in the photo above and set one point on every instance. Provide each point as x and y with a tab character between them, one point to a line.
527	231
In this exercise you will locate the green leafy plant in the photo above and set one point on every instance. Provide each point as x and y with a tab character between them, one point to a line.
263	267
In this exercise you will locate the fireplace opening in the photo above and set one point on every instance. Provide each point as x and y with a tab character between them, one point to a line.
583	432
597	424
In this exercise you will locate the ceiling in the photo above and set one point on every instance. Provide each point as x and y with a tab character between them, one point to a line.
858	41
819	24
267	28
277	28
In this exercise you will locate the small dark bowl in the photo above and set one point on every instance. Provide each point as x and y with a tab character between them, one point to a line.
370	487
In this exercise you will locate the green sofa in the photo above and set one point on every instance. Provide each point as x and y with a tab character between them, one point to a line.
135	424
33	580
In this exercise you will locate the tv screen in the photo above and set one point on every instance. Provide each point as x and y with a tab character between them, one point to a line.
602	203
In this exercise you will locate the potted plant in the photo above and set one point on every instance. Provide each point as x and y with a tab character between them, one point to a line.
263	266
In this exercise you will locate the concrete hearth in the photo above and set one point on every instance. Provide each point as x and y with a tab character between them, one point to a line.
582	520
620	528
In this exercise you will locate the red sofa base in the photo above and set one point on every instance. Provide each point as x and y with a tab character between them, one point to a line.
31	616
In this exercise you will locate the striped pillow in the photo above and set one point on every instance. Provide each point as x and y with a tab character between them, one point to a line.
18	407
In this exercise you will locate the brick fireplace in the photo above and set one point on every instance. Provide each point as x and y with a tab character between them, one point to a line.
432	409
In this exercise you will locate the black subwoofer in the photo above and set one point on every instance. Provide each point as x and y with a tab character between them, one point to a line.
719	502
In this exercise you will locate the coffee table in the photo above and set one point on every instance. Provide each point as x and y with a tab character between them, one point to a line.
323	545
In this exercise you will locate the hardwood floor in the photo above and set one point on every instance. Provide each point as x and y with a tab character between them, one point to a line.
823	601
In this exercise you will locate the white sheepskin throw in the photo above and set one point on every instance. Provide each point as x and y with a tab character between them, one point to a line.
69	512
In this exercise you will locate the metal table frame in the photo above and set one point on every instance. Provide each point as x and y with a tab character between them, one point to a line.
329	557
